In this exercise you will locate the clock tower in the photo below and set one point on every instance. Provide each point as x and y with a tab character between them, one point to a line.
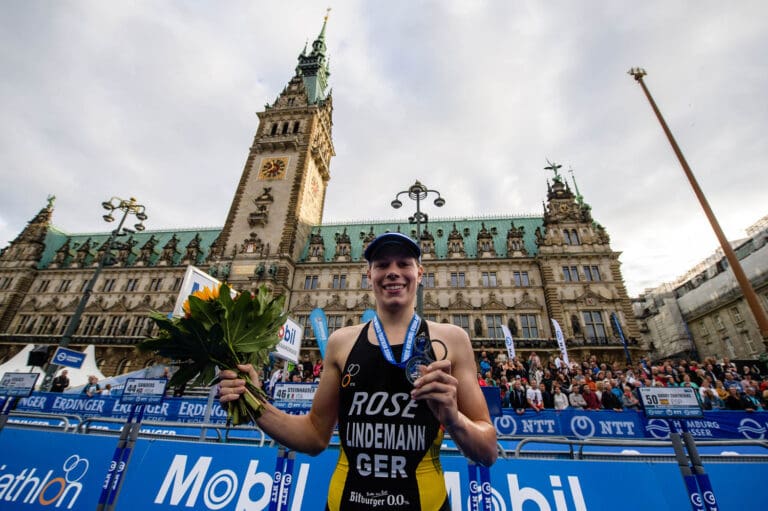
281	192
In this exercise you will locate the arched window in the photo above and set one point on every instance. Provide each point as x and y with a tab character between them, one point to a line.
566	237
575	237
274	129
124	366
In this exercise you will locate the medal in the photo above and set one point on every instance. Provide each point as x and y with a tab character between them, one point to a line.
416	349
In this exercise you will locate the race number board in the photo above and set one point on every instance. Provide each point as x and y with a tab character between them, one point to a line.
670	402
18	384
141	391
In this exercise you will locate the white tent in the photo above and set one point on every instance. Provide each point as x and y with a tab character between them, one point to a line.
77	377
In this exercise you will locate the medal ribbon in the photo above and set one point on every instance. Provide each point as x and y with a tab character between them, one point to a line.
410	337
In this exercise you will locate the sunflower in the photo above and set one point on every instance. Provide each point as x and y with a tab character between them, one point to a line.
206	294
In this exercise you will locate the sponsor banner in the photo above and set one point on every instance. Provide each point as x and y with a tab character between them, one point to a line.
44	470
174	475
368	315
290	341
561	342
319	328
617	324
572	423
68	358
509	342
170	475
569	422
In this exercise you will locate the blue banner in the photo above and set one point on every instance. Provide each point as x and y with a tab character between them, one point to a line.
619	331
319	328
52	470
173	475
570	422
68	358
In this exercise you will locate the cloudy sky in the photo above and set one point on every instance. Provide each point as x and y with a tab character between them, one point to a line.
157	100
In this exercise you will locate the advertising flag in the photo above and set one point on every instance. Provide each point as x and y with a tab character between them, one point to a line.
290	341
320	328
509	341
368	314
619	331
561	342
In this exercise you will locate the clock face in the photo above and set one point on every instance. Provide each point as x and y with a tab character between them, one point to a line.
315	187
273	168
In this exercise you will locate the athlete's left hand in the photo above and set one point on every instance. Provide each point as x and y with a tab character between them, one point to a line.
438	388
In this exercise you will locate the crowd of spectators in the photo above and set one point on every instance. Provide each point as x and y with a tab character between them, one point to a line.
538	383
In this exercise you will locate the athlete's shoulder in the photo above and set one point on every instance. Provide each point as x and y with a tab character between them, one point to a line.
345	333
447	332
341	341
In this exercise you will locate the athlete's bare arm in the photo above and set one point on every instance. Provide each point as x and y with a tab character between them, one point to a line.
451	390
312	432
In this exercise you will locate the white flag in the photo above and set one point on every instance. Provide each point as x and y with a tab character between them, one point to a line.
509	342
561	342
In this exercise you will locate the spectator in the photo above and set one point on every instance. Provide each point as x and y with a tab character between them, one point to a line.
734	400
107	391
317	368
517	398
92	387
751	402
559	399
546	397
592	403
720	390
576	398
731	381
629	400
61	382
306	366
609	399
485	364
547	380
534	397
711	401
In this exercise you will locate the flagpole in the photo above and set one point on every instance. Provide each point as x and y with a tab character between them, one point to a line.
746	287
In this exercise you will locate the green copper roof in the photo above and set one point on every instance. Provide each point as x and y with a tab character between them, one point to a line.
56	238
497	226
314	68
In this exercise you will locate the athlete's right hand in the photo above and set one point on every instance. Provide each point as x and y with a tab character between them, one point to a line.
231	387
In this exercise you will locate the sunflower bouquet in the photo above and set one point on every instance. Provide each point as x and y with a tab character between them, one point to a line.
218	330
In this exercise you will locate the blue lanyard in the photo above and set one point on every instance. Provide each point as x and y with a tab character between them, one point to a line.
410	336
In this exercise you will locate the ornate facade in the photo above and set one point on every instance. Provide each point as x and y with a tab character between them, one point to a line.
480	273
704	313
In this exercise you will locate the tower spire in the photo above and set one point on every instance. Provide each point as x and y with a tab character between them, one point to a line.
313	67
579	198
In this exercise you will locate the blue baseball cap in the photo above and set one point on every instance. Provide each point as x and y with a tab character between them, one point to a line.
392	239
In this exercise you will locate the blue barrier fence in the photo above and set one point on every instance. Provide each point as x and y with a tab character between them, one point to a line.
628	424
52	470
